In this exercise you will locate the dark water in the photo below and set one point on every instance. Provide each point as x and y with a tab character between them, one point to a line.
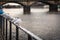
41	22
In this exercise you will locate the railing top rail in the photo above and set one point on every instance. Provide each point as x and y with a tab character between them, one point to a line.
28	32
14	21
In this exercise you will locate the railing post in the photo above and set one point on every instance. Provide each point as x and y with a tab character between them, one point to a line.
10	35
17	33
6	28
29	37
3	27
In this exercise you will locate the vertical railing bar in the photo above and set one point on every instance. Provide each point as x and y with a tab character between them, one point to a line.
10	35
3	24
29	37
6	28
17	33
34	39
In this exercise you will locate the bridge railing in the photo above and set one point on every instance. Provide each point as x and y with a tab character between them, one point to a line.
11	20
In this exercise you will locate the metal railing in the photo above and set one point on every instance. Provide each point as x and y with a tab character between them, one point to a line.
11	20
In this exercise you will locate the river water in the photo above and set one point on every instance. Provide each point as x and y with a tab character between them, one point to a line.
41	22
